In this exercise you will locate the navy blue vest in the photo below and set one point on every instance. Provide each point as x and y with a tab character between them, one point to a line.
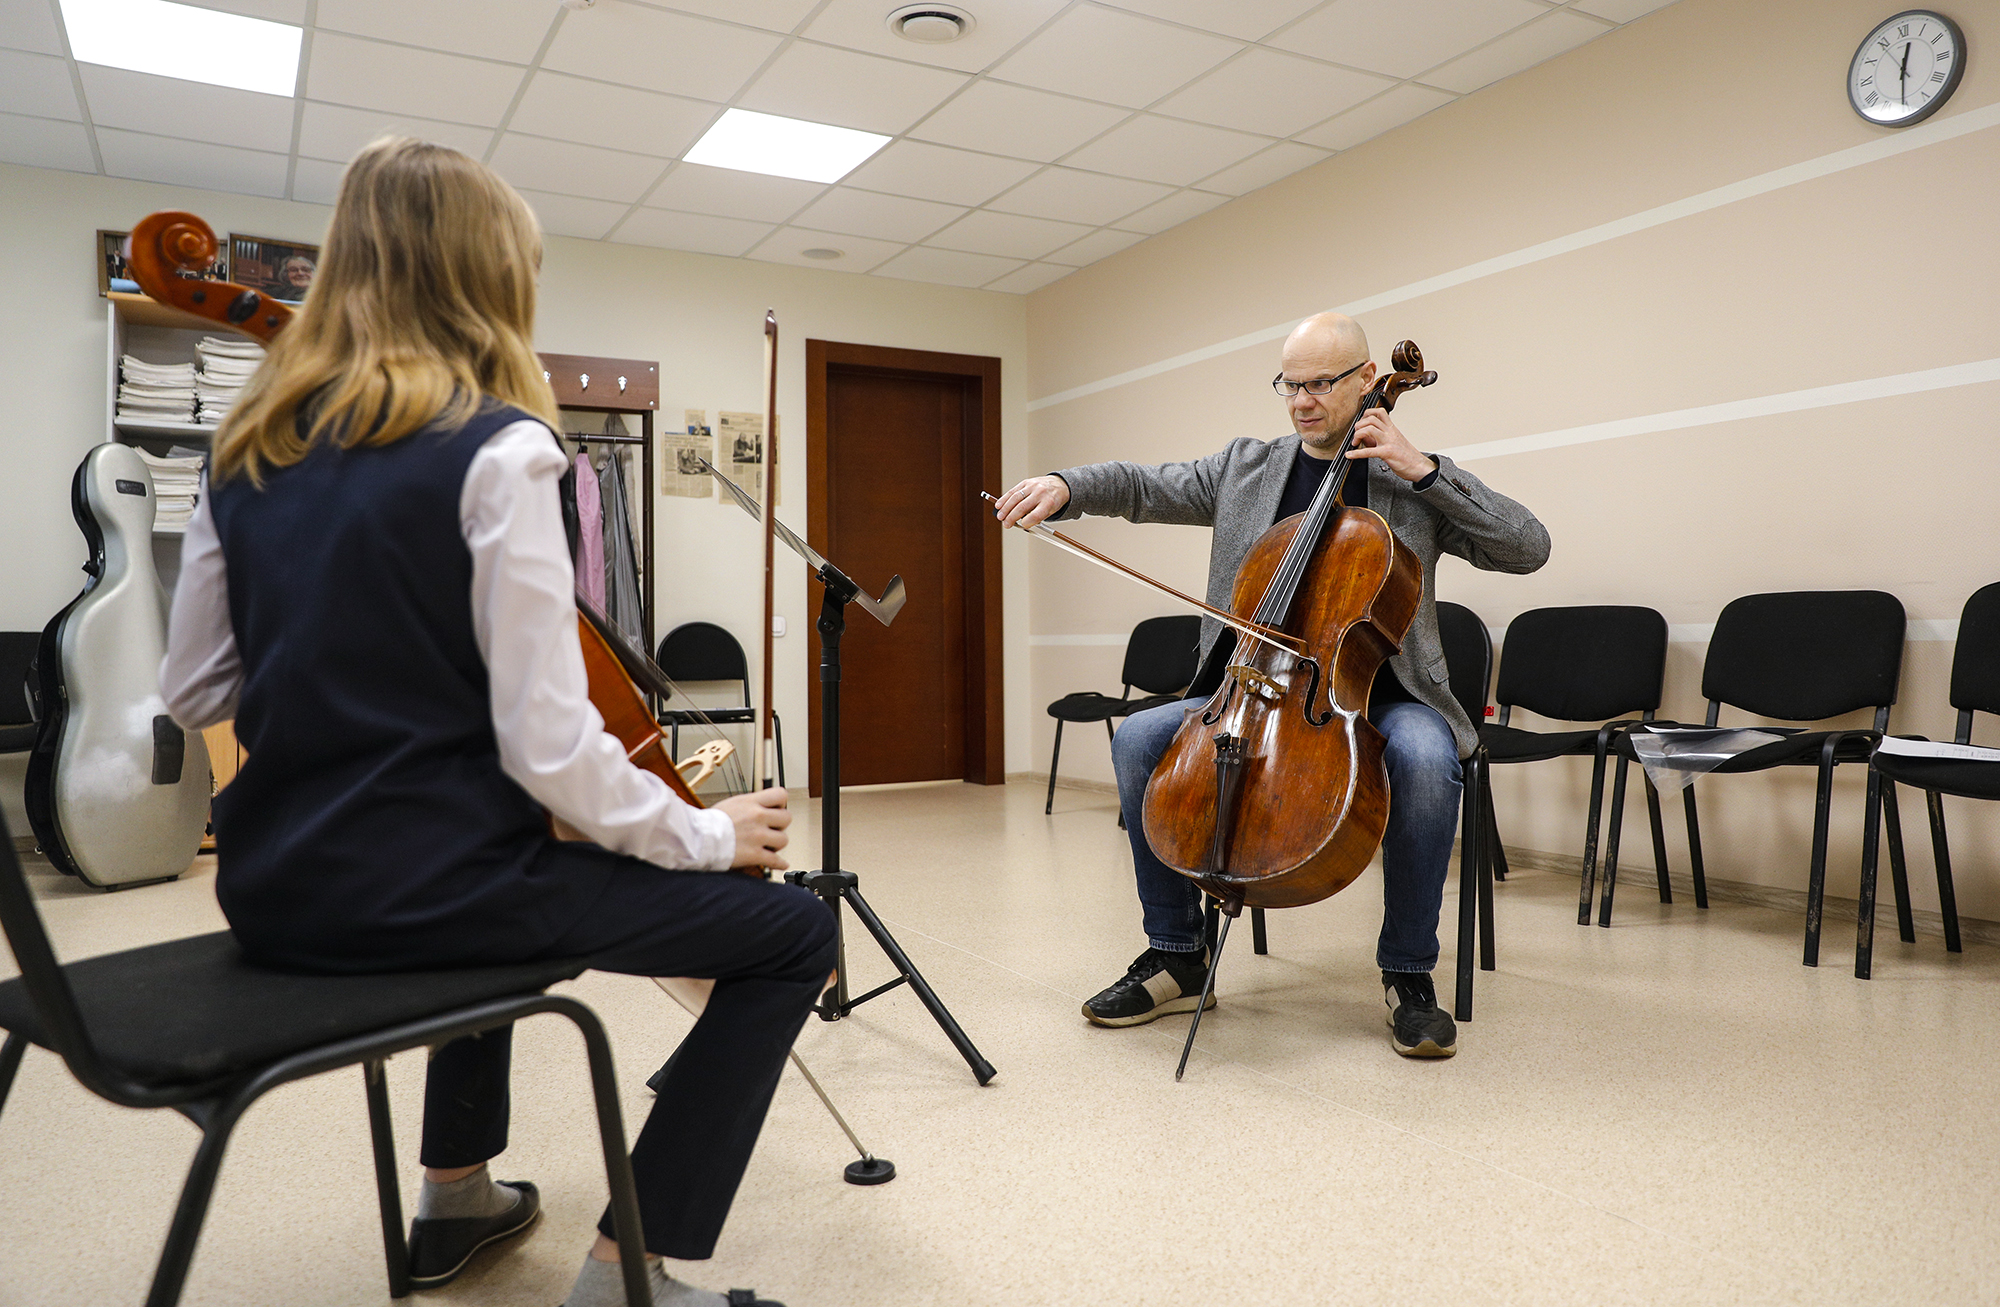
371	827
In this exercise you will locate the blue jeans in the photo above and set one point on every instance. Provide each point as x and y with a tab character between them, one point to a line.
1424	786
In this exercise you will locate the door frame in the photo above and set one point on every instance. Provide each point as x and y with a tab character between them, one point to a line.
985	705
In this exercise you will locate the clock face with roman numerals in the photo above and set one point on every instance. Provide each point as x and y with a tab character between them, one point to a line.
1906	69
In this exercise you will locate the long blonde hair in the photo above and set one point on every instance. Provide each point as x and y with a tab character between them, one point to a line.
422	310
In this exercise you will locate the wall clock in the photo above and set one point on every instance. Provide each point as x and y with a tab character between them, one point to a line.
1906	69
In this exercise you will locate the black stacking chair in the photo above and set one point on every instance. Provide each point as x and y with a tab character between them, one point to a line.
1590	663
1160	658
703	651
1975	687
17	722
192	1025
1468	661
1798	656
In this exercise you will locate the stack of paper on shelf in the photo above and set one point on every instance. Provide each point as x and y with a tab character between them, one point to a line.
155	392
226	364
176	480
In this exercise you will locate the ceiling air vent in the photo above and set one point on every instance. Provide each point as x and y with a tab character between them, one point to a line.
930	24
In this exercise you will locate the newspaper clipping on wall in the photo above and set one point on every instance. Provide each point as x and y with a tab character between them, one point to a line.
681	474
739	438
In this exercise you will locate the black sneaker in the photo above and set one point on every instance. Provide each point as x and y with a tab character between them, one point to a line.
1155	984
1418	1027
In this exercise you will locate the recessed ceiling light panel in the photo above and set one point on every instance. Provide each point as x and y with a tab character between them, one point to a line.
185	41
932	24
783	147
822	252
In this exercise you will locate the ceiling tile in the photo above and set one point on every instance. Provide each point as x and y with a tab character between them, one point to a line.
1014	120
277	11
1619	11
1100	244
946	267
728	193
857	253
45	143
771	15
622	42
616	117
1404	37
30	26
38	85
316	181
823	85
859	25
1009	234
1276	94
698	232
1260	170
1522	48
491	29
333	131
567	215
1032	277
1071	196
1397	107
370	75
191	163
885	217
1245	19
1172	211
172	106
1113	56
1159	149
934	172
567	169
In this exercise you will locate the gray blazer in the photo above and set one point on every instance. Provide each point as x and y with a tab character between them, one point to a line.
1237	489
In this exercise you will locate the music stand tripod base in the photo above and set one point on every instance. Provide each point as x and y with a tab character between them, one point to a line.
837	887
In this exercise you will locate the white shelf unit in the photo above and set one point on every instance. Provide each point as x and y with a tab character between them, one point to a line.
154	333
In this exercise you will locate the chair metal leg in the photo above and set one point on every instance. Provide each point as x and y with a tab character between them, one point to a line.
1611	845
1259	943
1496	857
217	1124
1695	864
1050	806
1659	840
1591	823
617	1162
1468	898
17	1044
1816	879
1899	875
388	1195
1871	845
1941	851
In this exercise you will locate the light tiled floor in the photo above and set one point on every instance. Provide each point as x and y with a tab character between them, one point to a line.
1671	1111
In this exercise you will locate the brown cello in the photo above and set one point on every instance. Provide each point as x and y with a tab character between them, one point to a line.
166	250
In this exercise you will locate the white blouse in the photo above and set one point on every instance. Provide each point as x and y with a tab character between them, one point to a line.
552	739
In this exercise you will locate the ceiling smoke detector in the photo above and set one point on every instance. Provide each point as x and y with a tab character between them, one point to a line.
930	24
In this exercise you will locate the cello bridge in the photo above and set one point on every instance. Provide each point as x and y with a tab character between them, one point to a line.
1255	682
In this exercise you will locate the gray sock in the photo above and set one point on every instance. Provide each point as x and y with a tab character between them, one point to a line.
602	1284
470	1196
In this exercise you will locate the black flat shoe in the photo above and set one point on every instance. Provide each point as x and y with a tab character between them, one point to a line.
441	1247
749	1298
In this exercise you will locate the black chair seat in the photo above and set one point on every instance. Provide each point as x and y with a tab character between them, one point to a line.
194	1014
17	739
1090	706
1511	744
1800	750
1955	776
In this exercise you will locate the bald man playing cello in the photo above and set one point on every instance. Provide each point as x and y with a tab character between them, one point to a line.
1434	507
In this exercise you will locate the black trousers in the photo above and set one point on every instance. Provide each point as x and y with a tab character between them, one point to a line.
767	946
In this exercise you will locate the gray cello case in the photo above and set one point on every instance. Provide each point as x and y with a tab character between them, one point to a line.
117	793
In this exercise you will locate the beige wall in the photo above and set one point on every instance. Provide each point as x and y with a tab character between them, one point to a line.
700	316
1853	268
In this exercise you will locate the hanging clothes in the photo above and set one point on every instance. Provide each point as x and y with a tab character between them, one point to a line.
590	533
621	560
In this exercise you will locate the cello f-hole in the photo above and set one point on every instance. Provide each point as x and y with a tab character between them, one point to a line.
1312	693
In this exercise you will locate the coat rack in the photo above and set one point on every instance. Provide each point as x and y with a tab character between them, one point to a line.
606	385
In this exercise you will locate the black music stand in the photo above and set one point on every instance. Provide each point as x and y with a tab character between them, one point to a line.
833	885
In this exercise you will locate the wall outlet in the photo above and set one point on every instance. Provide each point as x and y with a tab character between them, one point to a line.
778	628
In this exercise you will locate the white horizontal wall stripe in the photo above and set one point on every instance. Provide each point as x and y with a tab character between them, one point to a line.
1920	630
1933	132
1791	401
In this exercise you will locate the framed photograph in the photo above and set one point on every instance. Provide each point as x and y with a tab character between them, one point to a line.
281	269
112	274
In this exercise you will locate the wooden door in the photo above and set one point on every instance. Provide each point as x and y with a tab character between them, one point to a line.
898	451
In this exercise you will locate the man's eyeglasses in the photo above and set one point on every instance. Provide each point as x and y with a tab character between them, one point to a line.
1317	386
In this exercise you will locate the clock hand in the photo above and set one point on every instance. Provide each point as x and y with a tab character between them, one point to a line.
1903	75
